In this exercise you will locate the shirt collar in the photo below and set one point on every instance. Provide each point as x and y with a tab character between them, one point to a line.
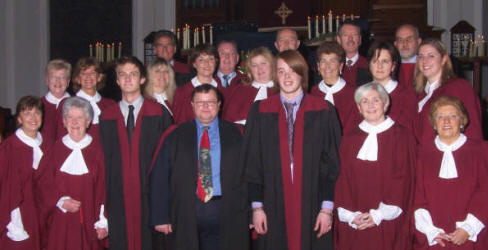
411	60
297	100
212	126
197	83
391	85
96	98
137	103
54	100
258	85
338	86
231	75
354	59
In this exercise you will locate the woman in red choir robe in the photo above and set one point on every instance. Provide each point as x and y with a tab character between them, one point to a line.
333	88
260	67
291	158
19	160
451	194
373	191
203	59
161	83
434	78
71	185
87	79
384	60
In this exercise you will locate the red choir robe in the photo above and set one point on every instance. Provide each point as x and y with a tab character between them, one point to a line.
182	110
17	190
358	74
50	116
182	73
93	129
403	106
239	102
344	103
181	67
455	87
292	207
127	169
235	81
362	185
450	200
405	74
72	231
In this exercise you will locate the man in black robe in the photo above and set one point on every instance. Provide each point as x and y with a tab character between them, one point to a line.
129	133
291	159
216	220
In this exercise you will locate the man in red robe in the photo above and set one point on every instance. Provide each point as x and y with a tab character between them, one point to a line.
355	70
129	133
407	41
58	73
164	45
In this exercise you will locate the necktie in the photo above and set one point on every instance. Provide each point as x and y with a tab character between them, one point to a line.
226	81
130	122
290	121
349	63
204	185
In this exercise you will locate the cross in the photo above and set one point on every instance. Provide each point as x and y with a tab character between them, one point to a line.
283	12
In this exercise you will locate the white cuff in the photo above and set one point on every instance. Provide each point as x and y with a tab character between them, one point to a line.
15	228
241	122
424	224
471	225
385	212
61	202
347	216
102	221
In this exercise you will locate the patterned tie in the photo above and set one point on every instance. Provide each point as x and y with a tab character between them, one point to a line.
349	63
204	185
130	122
290	121
226	81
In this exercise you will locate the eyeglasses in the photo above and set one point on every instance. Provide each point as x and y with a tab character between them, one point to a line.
210	103
409	39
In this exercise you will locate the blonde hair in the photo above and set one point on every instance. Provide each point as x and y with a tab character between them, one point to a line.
58	64
259	51
447	73
158	64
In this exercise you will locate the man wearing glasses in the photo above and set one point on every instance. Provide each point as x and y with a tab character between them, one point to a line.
197	194
407	41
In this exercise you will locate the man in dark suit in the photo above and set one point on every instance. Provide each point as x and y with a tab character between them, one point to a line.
355	70
197	193
164	45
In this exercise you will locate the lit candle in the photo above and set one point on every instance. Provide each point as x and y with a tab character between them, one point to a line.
352	17
178	34
91	50
198	35
471	48
204	39
96	51
120	49
481	47
330	20
194	37
309	28
211	35
343	17
316	26
323	24
337	23
112	52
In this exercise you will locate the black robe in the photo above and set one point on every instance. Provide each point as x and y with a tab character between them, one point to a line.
173	188
127	170
317	136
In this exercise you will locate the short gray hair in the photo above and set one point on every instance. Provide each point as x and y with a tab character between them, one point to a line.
78	102
366	88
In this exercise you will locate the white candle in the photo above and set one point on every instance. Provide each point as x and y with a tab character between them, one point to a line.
120	49
343	17
211	35
309	28
204	39
352	17
178	35
330	20
323	24
337	23
481	47
91	50
316	26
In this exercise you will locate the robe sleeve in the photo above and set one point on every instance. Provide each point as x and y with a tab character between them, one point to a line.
329	161
424	224
252	156
160	185
100	198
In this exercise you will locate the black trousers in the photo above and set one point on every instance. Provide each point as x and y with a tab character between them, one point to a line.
208	223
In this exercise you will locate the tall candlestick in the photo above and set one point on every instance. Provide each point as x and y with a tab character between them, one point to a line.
211	35
330	20
337	23
120	50
343	17
316	26
178	34
204	39
309	28
323	24
91	50
104	50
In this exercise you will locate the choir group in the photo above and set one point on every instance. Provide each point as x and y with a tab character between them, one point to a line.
383	152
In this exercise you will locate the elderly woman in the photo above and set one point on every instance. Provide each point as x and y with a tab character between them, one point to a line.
19	160
291	160
434	78
373	191
161	83
451	191
333	88
71	184
260	68
203	59
384	61
87	80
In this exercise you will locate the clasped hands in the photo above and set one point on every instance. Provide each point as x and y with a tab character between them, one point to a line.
323	223
363	221
73	206
458	237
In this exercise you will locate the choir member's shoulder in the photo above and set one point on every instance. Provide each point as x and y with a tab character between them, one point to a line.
458	84
231	128
111	111
313	102
152	107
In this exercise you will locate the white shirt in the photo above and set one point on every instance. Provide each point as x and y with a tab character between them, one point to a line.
391	86
93	102
330	91
54	100
429	89
354	59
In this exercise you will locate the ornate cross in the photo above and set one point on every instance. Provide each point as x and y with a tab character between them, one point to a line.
283	12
